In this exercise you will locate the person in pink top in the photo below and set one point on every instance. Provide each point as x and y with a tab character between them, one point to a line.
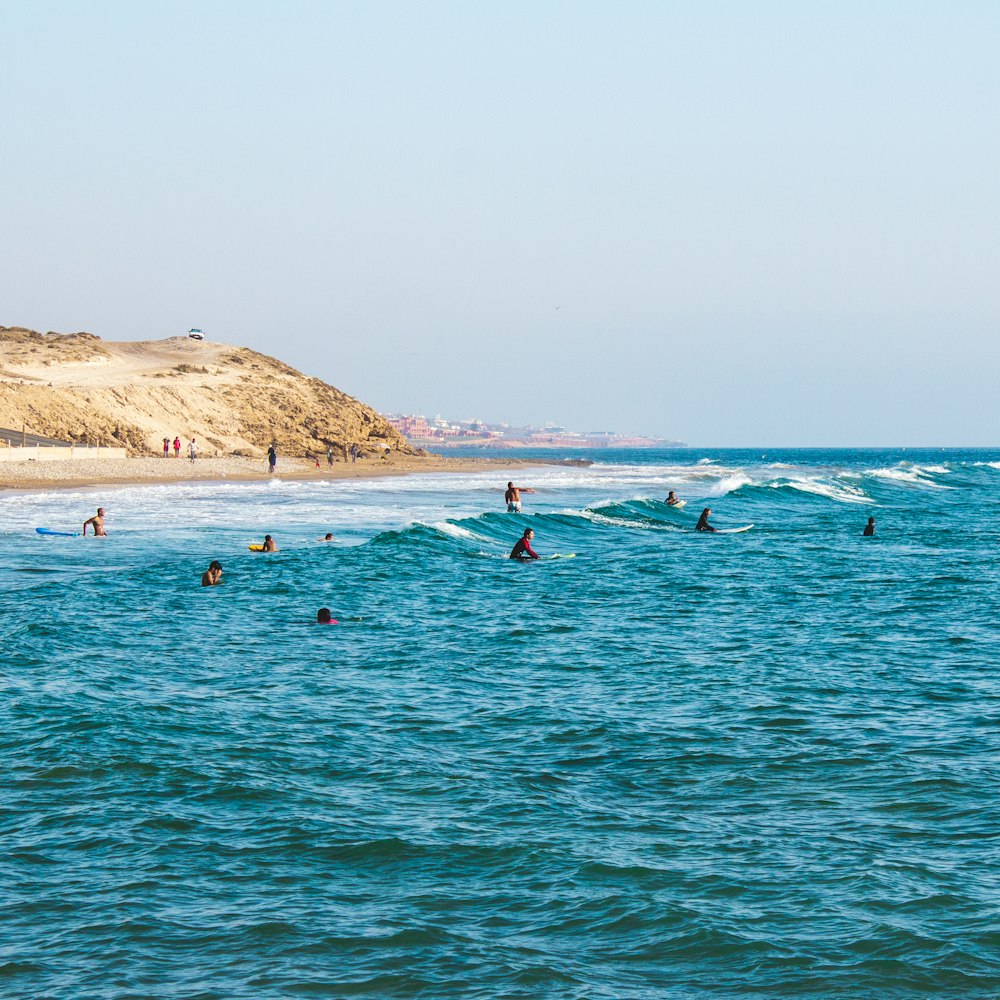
522	550
177	447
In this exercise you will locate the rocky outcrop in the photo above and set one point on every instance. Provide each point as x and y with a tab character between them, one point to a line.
232	400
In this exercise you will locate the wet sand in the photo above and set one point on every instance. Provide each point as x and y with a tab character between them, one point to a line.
35	475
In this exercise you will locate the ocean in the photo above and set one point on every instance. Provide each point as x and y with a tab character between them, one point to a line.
676	765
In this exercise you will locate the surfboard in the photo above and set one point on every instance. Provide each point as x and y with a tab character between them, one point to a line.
256	548
561	555
60	534
676	506
733	531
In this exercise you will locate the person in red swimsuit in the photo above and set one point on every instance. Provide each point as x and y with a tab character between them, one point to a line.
522	550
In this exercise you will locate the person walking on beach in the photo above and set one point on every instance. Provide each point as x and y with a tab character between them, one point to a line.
192	450
212	577
166	447
513	497
522	551
869	528
703	524
329	456
177	447
272	459
354	453
97	521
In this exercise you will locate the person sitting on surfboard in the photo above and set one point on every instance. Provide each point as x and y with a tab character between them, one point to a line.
513	497
269	545
213	575
97	521
672	499
703	524
522	550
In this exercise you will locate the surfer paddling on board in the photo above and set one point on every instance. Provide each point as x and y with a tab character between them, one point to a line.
672	499
98	522
703	524
522	550
513	497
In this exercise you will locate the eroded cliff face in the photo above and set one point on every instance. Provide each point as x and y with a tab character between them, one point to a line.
76	387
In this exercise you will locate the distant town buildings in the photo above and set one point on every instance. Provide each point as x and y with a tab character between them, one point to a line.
443	433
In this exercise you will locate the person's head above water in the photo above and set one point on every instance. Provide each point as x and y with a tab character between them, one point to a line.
670	494
871	520
216	565
323	616
267	538
328	537
529	533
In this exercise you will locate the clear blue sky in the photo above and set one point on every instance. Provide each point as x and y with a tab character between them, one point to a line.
763	223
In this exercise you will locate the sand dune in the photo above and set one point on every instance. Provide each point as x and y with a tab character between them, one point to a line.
77	387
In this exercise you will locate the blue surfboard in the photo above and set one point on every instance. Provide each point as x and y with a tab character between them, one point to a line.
61	534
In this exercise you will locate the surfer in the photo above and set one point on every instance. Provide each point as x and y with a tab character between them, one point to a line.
98	522
672	499
703	524
213	575
269	545
869	527
522	550
513	497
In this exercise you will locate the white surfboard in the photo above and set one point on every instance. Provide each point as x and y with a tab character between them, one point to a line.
733	531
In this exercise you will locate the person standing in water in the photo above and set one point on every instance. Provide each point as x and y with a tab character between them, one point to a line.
97	521
513	497
212	577
522	550
703	524
269	544
869	527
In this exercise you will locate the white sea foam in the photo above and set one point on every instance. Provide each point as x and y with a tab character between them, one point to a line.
842	494
457	531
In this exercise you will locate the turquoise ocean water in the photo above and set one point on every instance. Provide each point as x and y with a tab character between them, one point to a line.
676	765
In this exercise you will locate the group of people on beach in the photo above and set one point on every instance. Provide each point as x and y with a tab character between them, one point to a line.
192	448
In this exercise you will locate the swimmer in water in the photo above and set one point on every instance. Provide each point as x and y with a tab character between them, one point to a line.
98	522
672	499
328	537
522	550
869	527
323	617
513	497
269	545
703	524
213	575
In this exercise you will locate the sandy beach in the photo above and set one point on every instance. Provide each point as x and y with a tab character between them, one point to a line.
35	475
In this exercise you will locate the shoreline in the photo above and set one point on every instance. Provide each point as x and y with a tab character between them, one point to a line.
31	476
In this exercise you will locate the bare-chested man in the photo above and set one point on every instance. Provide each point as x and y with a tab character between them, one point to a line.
269	544
97	521
513	497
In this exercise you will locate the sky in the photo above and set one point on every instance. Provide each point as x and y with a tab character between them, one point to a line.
730	223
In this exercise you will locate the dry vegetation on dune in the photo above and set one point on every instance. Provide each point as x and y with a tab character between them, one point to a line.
76	387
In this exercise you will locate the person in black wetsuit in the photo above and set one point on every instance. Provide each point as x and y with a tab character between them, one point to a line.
703	524
522	550
869	527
